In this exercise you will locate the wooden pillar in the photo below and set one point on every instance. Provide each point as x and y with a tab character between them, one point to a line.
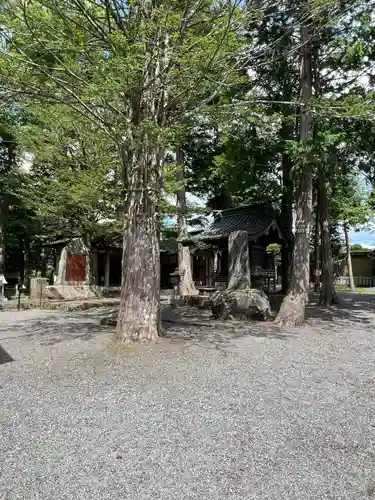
107	268
239	261
192	264
209	268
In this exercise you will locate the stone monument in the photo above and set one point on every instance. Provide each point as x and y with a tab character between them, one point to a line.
239	261
239	300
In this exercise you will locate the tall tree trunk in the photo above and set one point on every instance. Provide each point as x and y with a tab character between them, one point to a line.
142	156
89	269
275	277
286	216
26	263
317	248
349	258
3	218
293	308
2	248
139	314
328	294
186	285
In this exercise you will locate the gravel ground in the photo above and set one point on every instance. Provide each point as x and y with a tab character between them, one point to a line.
216	411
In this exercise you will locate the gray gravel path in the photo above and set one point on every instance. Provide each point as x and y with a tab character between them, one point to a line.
213	412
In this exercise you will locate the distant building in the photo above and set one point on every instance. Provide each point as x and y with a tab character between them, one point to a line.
75	264
363	264
210	246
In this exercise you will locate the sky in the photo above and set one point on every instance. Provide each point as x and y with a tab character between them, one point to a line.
363	238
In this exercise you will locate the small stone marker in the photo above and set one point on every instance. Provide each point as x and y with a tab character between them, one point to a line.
38	288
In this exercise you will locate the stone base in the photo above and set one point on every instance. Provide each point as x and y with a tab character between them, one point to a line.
72	292
109	291
241	304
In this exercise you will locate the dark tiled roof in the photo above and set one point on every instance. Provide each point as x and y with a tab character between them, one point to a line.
57	243
108	241
256	220
168	245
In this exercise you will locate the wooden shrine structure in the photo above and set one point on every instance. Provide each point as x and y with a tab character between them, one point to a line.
210	247
101	263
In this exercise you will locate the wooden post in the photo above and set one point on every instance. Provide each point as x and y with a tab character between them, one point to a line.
239	261
209	268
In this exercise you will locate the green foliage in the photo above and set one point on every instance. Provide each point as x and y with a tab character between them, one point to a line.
274	249
349	203
358	248
83	100
72	184
110	88
93	58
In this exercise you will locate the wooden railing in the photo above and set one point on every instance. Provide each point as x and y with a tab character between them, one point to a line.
359	281
221	282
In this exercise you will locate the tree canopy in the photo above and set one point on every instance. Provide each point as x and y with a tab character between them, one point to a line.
99	96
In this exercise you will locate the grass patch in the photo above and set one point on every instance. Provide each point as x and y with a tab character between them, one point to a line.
343	288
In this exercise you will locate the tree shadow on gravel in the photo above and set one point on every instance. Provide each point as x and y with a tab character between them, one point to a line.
192	326
354	308
56	328
5	357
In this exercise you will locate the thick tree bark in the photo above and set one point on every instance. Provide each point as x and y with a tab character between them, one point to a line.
239	261
186	285
2	249
328	294
275	272
89	271
349	258
139	314
293	308
286	213
2	257
26	263
3	217
317	248
142	156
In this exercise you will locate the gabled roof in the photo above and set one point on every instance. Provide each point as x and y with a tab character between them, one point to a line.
57	243
257	220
